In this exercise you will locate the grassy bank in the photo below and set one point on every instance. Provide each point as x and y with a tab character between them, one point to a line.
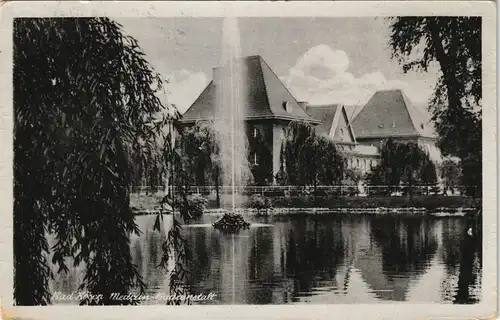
148	202
427	202
140	202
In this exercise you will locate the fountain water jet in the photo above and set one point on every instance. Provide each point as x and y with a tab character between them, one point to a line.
229	126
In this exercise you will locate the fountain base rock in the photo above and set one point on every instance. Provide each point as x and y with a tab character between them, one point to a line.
231	223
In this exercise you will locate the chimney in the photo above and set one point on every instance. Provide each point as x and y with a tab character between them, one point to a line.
216	76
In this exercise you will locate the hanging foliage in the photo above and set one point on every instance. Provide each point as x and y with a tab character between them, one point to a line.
309	159
84	100
402	163
455	44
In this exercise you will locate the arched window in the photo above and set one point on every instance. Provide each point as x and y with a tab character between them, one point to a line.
357	163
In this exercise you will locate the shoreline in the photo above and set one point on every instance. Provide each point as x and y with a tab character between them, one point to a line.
377	211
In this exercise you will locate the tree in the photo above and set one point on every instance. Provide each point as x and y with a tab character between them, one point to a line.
352	178
450	172
402	163
83	97
293	162
429	176
309	159
455	44
200	157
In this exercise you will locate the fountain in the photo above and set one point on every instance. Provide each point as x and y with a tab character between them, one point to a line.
229	123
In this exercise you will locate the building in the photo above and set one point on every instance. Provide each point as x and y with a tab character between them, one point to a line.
270	107
391	114
336	125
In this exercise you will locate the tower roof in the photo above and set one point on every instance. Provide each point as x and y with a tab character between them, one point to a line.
267	97
390	113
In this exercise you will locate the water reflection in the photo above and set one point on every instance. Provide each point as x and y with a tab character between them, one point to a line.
320	259
325	259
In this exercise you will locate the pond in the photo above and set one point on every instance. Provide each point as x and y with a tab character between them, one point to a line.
321	259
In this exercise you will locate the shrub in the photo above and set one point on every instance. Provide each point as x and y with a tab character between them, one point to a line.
231	223
258	202
196	205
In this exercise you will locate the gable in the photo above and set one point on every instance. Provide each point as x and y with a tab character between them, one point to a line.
325	114
334	122
343	132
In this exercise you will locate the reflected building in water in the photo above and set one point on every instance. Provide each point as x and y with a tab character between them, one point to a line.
316	259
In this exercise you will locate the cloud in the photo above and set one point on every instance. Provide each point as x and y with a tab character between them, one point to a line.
183	87
321	76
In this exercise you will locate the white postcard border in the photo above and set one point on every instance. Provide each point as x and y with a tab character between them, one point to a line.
486	9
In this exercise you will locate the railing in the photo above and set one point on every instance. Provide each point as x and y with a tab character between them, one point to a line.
343	190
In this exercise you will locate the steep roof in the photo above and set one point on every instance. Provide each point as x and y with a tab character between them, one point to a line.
352	111
390	113
329	115
267	97
325	114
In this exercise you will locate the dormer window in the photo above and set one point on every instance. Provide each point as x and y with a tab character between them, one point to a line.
287	106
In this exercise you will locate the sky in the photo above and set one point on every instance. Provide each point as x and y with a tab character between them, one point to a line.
320	60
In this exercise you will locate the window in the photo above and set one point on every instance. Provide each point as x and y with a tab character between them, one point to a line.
287	106
341	132
255	159
357	163
393	124
381	126
422	125
255	132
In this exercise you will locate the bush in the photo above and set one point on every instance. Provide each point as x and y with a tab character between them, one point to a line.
231	223
258	202
196	205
